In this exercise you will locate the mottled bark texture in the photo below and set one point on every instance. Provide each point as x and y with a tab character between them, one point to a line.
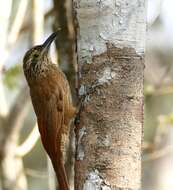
110	46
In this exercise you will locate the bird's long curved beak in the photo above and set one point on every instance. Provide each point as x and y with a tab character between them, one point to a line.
49	40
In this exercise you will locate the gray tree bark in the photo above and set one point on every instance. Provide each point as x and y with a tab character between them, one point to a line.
110	49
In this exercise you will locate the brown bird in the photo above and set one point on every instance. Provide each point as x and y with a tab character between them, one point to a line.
52	102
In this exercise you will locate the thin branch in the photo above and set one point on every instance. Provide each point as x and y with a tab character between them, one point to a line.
17	24
37	22
4	20
35	173
15	112
158	154
13	123
157	13
3	108
162	78
29	143
27	25
148	146
153	91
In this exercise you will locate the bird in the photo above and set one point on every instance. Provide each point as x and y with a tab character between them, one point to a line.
52	102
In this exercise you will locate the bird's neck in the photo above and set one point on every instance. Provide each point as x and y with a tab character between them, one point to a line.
38	70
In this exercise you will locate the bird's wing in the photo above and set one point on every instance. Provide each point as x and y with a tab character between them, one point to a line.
50	117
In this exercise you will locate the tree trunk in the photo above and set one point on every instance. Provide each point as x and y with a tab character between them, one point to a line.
66	52
110	49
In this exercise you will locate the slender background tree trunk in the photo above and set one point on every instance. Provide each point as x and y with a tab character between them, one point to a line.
65	51
110	49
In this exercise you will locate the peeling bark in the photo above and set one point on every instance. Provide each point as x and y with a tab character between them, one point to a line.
110	49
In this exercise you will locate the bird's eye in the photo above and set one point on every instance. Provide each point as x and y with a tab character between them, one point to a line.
35	55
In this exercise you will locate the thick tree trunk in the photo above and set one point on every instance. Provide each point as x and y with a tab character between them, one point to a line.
110	48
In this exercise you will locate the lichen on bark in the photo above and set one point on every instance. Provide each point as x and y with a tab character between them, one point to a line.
112	117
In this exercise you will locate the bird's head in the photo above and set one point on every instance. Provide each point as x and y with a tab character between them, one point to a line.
35	58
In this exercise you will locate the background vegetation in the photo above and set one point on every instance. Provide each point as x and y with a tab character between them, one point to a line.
25	23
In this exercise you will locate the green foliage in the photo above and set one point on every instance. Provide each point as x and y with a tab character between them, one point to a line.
166	120
148	89
11	77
